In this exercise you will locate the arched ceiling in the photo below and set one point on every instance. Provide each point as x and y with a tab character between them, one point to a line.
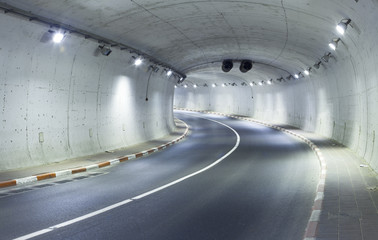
195	36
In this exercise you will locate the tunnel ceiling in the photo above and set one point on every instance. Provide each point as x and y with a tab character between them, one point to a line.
195	36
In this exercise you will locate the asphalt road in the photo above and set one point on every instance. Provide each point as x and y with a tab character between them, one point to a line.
263	190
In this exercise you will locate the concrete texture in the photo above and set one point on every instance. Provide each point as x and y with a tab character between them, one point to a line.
93	162
283	38
338	100
64	101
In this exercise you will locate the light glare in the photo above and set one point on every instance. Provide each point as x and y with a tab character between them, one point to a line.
332	45
138	62
169	73
58	37
341	28
306	72
296	76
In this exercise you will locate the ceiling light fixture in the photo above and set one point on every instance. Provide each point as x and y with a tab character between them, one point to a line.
213	85
186	86
251	84
342	26
296	76
317	65
195	85
334	43
106	51
261	83
138	61
269	82
326	57
58	37
169	73
307	72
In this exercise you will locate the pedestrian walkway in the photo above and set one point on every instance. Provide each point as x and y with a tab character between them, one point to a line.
82	162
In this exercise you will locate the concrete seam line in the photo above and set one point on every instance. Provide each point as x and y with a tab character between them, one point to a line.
311	229
40	177
124	202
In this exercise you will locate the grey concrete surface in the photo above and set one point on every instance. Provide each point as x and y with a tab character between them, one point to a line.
263	190
92	159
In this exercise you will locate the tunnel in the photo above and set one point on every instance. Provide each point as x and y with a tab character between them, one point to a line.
266	86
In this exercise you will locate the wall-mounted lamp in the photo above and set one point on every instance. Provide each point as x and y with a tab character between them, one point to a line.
138	61
281	79
106	51
334	43
326	57
58	37
342	26
317	65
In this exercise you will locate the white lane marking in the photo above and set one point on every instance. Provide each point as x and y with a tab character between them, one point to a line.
199	171
124	202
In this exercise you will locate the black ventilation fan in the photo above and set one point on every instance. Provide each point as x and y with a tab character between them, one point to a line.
227	65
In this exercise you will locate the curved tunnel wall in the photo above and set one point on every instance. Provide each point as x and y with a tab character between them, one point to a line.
339	100
62	101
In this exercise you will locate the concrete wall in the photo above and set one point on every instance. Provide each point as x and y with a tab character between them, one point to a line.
339	100
231	99
59	101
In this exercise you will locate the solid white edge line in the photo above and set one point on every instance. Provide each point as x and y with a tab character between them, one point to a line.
92	214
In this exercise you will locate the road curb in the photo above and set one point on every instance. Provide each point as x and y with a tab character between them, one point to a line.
44	176
312	225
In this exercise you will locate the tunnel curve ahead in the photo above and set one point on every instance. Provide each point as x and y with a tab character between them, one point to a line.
263	190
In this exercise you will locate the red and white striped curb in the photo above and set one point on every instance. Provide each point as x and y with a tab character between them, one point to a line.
45	176
312	225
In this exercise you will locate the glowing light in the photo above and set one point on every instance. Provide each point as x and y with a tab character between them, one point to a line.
169	73
58	37
341	27
332	45
296	76
306	72
138	62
